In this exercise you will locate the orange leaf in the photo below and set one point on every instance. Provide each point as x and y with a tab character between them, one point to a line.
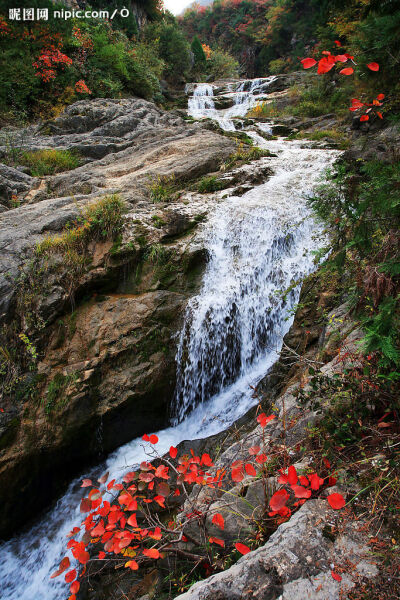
63	566
242	548
132	564
70	576
379	114
75	587
151	553
218	520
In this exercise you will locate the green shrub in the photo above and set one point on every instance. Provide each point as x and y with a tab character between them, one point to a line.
161	189
101	219
50	161
211	184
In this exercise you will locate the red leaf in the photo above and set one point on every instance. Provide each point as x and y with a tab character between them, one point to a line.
156	534
250	470
254	450
336	501
153	439
132	520
303	480
337	43
336	576
341	58
86	483
278	500
379	114
218	520
242	548
214	540
325	65
160	500
70	576
98	530
373	66
347	71
380	97
102	555
237	474
145	438
301	492
151	553
173	452
315	481
261	458
262	419
308	63
75	587
292	475
206	460
364	118
63	566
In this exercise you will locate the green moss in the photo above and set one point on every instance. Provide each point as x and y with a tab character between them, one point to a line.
158	221
55	395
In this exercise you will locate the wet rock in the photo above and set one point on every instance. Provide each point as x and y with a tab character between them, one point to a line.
294	564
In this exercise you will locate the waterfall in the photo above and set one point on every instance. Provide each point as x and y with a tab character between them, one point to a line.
259	245
202	106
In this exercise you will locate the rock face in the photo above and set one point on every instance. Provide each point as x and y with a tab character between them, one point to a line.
105	371
294	564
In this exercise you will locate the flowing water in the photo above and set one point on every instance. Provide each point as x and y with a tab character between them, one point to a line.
259	244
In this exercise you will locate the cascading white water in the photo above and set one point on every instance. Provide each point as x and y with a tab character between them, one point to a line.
201	105
258	245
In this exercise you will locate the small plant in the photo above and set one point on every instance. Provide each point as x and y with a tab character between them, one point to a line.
48	162
56	390
245	155
158	221
101	219
161	189
211	184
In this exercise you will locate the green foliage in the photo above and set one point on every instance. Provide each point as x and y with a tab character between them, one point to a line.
244	155
361	206
222	65
161	189
48	162
55	395
198	53
101	219
211	183
172	47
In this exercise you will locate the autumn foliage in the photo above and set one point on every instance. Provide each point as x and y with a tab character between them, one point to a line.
329	61
129	521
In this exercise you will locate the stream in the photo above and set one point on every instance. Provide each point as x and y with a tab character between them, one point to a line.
259	244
